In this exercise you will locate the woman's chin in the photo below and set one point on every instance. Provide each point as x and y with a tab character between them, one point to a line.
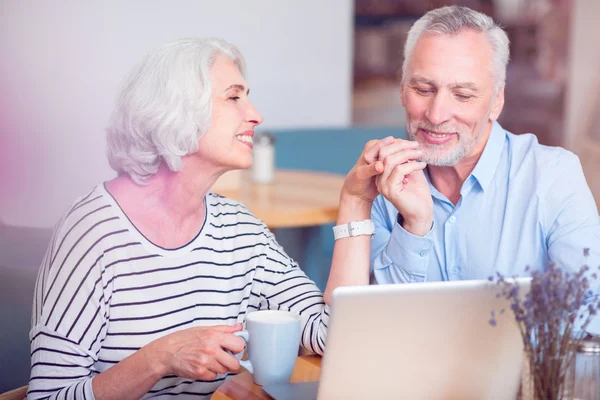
241	161
241	166
245	164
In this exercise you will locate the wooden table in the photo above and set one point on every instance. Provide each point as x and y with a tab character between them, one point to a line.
308	369
294	199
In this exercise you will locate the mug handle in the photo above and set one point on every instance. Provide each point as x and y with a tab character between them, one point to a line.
245	363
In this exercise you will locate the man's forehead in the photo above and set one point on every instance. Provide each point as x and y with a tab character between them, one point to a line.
463	59
467	43
466	36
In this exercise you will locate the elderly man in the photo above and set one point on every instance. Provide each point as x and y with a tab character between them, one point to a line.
488	200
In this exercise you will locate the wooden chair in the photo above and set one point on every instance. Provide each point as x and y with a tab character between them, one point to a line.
15	394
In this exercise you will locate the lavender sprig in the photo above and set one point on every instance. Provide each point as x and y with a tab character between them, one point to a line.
552	318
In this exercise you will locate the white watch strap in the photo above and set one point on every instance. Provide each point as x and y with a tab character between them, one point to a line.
354	228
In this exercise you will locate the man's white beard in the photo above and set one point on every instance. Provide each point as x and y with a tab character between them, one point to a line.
435	154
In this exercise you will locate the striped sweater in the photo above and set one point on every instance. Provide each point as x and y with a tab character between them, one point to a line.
104	291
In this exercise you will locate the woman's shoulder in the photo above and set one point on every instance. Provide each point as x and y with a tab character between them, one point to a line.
89	216
231	219
229	210
91	203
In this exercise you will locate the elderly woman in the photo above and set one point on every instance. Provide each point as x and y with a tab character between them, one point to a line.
148	275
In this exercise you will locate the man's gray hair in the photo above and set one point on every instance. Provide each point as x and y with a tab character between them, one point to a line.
455	19
165	107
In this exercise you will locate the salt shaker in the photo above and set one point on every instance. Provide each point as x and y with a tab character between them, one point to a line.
587	370
263	167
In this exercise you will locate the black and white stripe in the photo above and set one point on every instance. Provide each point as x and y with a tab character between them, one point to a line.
104	291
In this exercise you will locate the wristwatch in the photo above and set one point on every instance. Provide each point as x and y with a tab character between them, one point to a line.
354	228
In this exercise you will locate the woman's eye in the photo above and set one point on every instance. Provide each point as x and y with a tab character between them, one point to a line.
234	98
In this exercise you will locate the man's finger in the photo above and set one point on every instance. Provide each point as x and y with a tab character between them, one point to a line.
378	184
401	157
388	169
398	146
401	171
372	153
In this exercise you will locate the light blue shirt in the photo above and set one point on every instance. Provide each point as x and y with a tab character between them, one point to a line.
523	204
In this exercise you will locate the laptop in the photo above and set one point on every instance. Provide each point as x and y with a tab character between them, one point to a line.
417	341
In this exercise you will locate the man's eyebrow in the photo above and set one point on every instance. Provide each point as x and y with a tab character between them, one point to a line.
420	79
456	85
238	87
464	85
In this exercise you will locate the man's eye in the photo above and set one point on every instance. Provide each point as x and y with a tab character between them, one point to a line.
464	96
423	91
234	98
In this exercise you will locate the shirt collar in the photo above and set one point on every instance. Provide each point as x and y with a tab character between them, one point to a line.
486	166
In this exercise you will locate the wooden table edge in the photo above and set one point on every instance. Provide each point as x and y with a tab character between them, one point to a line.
240	386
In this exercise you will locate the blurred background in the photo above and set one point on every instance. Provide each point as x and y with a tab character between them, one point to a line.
553	78
536	78
311	64
323	74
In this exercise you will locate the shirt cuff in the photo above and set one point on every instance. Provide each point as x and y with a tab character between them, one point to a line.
408	251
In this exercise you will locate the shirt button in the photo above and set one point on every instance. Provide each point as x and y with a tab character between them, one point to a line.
423	253
455	270
452	219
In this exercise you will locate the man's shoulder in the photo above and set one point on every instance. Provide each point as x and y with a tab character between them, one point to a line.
526	151
537	169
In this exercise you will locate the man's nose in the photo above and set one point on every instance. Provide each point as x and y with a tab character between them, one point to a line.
439	109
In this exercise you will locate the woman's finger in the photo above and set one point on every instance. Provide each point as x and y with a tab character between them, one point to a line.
208	375
217	367
229	341
365	172
228	361
225	328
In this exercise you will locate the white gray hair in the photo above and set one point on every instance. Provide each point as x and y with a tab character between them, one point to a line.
451	21
164	106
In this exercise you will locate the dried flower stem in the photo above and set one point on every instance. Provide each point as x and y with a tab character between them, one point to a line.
552	318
